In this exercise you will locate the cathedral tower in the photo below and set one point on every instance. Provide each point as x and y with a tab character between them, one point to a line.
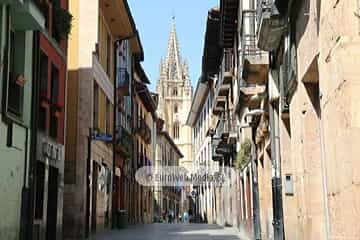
175	96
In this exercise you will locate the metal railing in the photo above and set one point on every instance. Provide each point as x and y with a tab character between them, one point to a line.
228	64
262	6
249	40
226	125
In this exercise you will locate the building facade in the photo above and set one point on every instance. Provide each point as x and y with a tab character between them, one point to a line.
90	113
167	155
20	23
175	95
50	152
285	88
201	120
145	142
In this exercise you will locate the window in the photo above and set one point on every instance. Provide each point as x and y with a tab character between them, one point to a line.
54	84
42	118
176	109
53	126
176	130
96	107
108	53
15	90
44	64
175	92
108	116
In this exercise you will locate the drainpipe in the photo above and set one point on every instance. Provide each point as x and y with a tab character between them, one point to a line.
254	171
256	201
278	222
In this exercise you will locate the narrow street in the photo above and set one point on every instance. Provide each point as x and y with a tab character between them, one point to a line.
146	120
162	231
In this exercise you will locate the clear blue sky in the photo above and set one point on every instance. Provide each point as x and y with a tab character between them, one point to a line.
153	20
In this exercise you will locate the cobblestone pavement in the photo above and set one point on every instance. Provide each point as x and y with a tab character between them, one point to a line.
161	231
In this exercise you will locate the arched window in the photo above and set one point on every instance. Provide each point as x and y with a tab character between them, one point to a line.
175	92
176	130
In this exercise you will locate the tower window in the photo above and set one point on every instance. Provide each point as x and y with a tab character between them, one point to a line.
175	92
176	109
176	130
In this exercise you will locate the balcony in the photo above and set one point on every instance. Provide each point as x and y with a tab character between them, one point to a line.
124	141
271	23
26	15
228	67
255	61
251	96
228	24
215	141
224	149
223	85
227	129
143	130
123	82
212	126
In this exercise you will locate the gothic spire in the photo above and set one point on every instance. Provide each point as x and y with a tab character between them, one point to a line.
173	58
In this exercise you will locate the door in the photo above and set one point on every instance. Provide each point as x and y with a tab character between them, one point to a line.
94	196
51	220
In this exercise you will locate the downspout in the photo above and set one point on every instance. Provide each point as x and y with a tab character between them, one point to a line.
276	174
256	201
255	184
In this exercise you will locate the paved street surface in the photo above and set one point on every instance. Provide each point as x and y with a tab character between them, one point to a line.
161	231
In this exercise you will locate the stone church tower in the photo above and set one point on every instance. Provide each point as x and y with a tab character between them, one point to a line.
175	96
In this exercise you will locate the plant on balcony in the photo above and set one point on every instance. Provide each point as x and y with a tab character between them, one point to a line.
243	157
62	21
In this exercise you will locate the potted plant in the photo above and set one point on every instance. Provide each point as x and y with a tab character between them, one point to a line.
62	21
